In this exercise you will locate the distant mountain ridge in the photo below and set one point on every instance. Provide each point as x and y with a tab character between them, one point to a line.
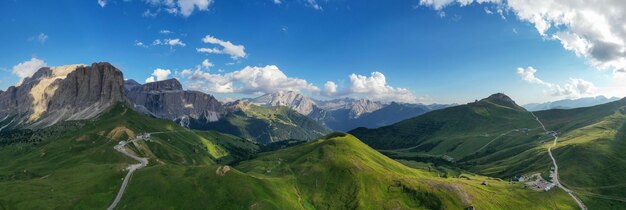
346	113
570	103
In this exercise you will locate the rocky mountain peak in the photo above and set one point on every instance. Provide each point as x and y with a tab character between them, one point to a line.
54	94
167	99
164	85
362	106
502	99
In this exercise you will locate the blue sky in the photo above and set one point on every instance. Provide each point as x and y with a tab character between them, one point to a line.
426	52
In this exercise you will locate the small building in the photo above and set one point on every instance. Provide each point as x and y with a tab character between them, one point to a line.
549	187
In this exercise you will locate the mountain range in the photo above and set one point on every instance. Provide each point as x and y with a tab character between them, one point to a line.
570	103
346	113
51	94
69	135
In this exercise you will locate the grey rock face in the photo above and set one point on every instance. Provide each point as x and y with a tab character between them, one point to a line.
55	94
130	84
167	99
301	104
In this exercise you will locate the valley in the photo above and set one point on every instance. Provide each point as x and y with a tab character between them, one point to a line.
160	144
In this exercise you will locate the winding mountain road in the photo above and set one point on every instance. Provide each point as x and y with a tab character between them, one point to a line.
555	173
143	162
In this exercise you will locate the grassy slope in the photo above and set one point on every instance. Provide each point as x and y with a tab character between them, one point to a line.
591	152
458	132
80	169
266	125
336	172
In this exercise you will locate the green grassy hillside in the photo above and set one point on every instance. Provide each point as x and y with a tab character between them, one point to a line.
335	172
74	165
79	169
474	129
592	149
487	138
265	124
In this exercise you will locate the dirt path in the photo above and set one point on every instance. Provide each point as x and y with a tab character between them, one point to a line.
494	139
555	172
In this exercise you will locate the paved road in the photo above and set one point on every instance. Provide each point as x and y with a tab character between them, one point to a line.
555	173
143	162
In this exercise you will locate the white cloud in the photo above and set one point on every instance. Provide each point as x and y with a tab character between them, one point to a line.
174	42
159	75
593	30
313	4
375	87
574	88
102	3
140	44
235	51
165	32
206	64
28	68
170	42
277	2
330	88
249	80
528	75
175	7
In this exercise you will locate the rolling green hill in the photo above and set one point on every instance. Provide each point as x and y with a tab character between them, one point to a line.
264	124
73	164
495	139
79	169
591	149
458	131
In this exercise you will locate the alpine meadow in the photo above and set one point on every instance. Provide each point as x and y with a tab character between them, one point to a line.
313	104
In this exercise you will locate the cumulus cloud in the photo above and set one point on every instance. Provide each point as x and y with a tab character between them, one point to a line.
574	88
27	68
165	32
175	7
102	3
159	75
249	80
235	51
206	64
330	88
375	87
593	30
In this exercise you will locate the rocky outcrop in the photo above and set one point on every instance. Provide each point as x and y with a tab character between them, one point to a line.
167	99
55	94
